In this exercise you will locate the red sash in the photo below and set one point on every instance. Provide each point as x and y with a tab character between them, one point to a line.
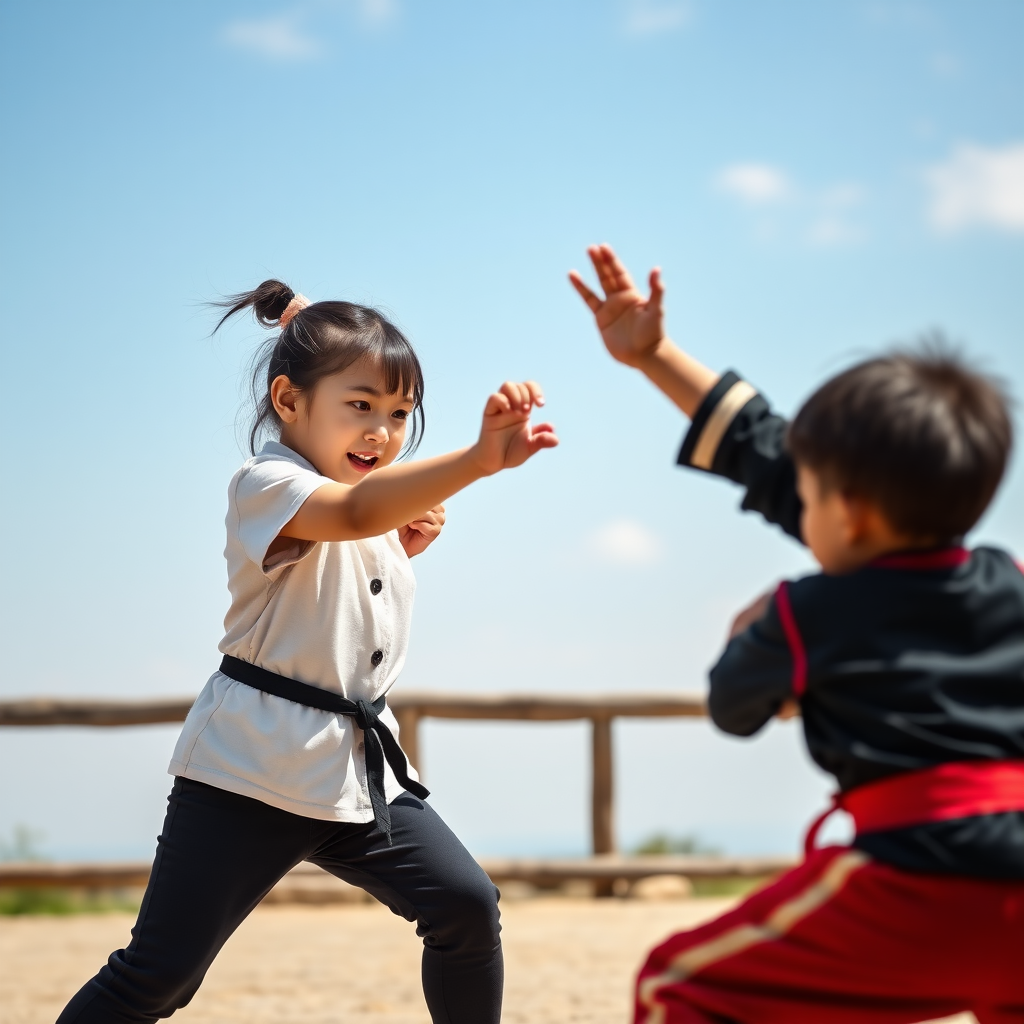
960	789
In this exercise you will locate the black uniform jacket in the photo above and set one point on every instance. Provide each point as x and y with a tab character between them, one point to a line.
910	662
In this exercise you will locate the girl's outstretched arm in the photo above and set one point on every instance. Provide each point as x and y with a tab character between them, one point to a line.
633	331
396	495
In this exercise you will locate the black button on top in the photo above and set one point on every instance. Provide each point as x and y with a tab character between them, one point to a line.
376	587
376	658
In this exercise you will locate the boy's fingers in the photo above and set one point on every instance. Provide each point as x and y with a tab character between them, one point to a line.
584	292
657	288
616	269
605	270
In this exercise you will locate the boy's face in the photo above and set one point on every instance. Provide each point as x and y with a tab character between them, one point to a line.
845	531
824	522
842	530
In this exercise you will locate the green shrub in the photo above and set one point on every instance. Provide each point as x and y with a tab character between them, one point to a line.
65	901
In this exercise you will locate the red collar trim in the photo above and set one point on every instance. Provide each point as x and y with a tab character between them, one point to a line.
945	558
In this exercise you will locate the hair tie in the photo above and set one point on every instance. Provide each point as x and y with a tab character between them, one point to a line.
298	302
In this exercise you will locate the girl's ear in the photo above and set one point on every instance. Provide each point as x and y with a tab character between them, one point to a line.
285	398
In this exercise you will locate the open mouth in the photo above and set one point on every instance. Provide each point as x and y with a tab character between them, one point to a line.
363	463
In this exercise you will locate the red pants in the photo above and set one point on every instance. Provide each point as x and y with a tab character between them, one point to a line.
844	939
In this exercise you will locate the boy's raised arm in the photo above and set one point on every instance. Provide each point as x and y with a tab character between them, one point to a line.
632	329
734	434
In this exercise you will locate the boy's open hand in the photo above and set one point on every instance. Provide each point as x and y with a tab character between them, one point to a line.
507	438
418	535
630	326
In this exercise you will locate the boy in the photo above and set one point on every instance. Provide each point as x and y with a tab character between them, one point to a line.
905	657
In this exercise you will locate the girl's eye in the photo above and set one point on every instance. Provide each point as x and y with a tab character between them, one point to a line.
400	414
362	406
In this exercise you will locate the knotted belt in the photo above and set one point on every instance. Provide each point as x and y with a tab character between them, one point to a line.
379	741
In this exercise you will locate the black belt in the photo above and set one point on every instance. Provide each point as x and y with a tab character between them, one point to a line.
380	742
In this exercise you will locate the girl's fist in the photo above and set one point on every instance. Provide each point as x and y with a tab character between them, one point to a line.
507	438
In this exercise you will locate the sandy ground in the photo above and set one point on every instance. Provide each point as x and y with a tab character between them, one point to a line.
567	961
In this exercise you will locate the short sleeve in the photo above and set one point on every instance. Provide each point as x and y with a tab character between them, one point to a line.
267	495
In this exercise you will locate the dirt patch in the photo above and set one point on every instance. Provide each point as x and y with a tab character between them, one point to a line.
568	961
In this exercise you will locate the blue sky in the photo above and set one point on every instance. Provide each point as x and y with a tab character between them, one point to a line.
816	180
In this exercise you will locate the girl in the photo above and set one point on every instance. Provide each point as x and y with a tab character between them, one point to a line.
290	752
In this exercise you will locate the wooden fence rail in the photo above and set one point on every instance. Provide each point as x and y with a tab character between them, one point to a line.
309	884
411	708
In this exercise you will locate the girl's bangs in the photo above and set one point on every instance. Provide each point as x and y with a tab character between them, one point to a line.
403	375
400	368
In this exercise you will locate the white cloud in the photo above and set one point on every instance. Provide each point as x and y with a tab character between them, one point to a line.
279	37
833	222
978	187
624	542
841	196
650	17
830	230
378	12
781	208
756	184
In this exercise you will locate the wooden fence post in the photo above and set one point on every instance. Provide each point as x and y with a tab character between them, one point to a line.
602	795
409	734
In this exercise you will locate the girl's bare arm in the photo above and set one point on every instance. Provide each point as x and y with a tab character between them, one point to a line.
394	496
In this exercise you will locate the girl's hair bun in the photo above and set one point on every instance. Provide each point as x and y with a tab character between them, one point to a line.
268	301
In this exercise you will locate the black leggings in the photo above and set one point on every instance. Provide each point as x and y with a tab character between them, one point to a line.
219	854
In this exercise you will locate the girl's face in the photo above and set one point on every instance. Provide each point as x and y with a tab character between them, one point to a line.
348	425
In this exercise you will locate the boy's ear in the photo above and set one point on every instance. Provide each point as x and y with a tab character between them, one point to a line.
858	518
865	521
284	397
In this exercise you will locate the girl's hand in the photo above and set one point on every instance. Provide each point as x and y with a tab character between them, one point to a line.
507	438
631	326
418	535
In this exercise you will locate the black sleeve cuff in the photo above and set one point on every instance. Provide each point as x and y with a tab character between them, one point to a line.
722	404
735	435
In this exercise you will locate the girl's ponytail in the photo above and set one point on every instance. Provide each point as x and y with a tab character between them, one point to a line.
268	301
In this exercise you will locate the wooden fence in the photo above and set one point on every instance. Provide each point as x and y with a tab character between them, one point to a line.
411	708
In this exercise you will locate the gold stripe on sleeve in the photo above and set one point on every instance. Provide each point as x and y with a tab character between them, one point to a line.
718	423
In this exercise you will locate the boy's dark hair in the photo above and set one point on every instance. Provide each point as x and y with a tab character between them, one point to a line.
916	432
322	339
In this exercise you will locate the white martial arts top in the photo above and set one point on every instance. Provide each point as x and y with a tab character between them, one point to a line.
322	613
